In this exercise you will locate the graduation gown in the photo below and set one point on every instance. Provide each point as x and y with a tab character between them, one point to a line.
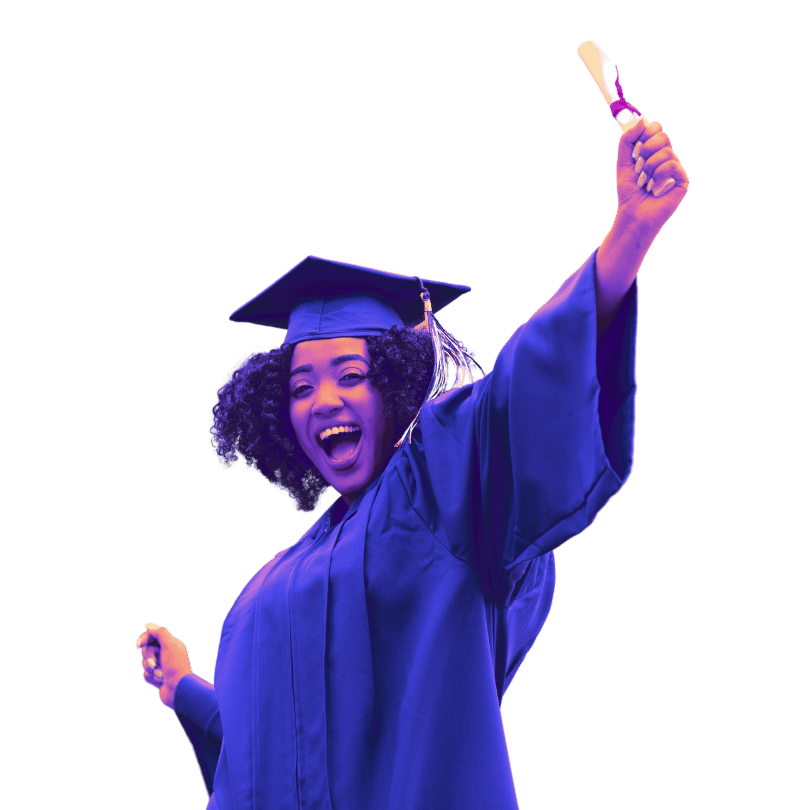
364	666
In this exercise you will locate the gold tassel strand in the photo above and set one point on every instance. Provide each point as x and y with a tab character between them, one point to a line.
446	350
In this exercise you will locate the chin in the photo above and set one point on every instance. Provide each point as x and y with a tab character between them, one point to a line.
351	483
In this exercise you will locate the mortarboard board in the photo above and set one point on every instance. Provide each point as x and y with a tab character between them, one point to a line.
321	299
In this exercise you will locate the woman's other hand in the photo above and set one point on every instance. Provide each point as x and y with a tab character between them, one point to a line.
649	177
165	661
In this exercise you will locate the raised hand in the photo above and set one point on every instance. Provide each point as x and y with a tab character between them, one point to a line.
650	180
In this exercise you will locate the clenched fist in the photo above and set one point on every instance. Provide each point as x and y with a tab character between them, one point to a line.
165	661
650	180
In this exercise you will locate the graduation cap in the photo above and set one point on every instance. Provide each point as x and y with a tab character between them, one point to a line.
320	299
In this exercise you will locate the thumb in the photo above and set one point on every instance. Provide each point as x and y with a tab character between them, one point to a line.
160	634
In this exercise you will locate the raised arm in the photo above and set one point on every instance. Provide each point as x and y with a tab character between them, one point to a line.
650	183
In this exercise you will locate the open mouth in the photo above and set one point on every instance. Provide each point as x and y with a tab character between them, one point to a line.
341	448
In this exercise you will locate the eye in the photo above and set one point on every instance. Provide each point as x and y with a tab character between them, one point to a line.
299	390
354	376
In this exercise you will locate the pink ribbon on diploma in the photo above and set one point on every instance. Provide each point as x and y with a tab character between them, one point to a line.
622	104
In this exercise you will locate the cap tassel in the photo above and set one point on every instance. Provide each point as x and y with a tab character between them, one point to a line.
447	352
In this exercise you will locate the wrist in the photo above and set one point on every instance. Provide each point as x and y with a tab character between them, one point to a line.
617	262
633	230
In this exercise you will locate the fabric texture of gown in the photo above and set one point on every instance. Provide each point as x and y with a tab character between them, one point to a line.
364	667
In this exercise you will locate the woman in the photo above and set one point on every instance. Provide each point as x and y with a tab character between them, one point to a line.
364	666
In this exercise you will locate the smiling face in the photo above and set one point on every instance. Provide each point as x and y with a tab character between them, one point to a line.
329	389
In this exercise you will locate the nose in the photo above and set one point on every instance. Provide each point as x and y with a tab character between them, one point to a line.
327	400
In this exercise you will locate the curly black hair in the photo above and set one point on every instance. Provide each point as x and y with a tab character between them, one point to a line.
252	416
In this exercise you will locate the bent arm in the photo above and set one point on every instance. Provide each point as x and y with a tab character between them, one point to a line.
197	709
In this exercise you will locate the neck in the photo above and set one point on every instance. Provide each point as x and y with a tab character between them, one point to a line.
340	508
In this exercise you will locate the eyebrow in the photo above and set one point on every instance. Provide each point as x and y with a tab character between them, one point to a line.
336	361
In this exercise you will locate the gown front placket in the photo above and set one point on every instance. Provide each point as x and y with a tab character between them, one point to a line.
307	605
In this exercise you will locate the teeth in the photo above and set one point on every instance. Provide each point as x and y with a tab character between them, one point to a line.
340	429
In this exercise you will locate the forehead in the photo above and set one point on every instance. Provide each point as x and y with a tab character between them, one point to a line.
316	352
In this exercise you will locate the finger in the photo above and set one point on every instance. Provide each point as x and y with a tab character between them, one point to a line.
653	128
629	138
155	636
650	129
672	168
652	144
659	191
669	168
667	176
160	633
151	658
654	161
150	677
151	664
146	639
643	178
632	135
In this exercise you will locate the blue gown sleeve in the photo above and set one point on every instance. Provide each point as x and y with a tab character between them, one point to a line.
523	459
197	709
